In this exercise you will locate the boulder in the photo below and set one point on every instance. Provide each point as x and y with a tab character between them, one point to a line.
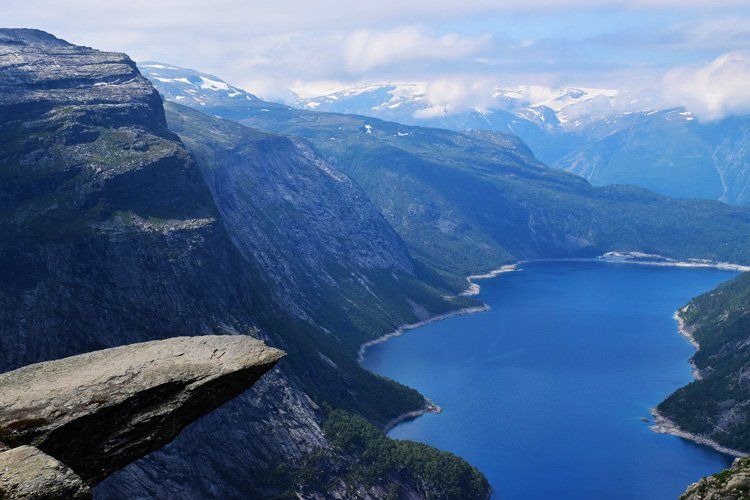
27	472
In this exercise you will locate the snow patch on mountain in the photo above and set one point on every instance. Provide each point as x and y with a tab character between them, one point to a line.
536	103
186	85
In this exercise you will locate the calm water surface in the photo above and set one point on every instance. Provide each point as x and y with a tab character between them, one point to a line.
545	392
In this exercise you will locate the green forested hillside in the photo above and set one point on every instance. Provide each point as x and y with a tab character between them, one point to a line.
718	406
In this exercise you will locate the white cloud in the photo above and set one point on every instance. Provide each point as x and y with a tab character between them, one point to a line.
367	49
447	96
713	90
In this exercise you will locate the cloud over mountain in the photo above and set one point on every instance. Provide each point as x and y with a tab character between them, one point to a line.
712	90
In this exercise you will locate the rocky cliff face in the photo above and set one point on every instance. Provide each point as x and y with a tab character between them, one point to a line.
95	413
311	226
104	216
111	233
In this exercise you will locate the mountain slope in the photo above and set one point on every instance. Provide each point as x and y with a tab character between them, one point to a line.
668	151
545	118
330	256
112	233
661	151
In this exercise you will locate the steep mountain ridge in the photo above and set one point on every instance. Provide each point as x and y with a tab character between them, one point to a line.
96	190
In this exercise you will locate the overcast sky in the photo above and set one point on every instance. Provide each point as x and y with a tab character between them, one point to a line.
691	52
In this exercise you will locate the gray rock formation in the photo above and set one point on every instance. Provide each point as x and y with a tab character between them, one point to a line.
98	412
27	472
730	484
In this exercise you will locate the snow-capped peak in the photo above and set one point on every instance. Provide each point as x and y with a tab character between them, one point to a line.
554	98
186	85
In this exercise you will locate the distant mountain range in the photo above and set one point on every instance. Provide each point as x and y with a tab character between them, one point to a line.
584	131
406	102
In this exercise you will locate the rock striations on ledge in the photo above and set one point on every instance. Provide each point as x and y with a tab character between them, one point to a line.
97	412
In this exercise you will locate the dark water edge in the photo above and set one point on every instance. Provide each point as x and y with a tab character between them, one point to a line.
546	392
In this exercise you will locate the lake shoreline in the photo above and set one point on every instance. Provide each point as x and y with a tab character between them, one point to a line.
614	257
428	407
411	326
682	328
663	425
474	288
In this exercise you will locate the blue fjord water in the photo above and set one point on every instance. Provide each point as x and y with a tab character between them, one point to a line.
545	392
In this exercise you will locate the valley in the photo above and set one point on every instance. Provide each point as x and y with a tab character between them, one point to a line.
144	204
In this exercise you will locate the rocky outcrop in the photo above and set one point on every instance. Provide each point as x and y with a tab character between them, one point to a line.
730	484
99	411
29	473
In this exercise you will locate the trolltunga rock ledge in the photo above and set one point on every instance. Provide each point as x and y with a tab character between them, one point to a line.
97	412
